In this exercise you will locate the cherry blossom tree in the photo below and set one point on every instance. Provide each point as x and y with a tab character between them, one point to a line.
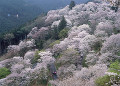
112	44
105	26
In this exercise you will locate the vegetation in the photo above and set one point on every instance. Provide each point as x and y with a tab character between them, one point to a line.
84	63
108	80
15	35
39	43
55	34
118	53
97	46
72	4
115	67
62	24
35	59
102	81
49	84
41	80
63	33
58	65
4	72
115	4
55	42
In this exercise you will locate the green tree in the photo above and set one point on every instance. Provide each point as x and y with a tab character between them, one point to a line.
39	43
55	34
62	24
72	4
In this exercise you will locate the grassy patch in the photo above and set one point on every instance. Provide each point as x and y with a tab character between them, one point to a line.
115	67
4	72
107	80
101	81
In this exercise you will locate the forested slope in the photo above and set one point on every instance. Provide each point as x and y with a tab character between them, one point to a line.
78	45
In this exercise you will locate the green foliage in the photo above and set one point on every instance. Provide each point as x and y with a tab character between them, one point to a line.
118	53
35	59
72	4
84	63
63	33
39	43
107	80
58	56
55	42
101	81
60	31
115	67
55	34
4	72
97	46
49	84
62	24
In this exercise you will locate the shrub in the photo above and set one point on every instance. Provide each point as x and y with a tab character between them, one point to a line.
63	33
97	46
35	59
4	72
39	43
84	63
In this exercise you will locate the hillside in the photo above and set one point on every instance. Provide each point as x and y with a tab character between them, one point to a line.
78	46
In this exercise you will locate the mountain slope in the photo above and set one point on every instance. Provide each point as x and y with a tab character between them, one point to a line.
87	53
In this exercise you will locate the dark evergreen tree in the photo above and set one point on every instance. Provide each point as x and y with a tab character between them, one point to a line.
72	4
62	24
